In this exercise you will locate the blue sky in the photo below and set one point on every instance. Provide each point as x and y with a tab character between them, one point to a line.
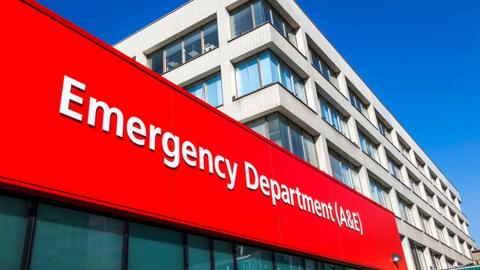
422	58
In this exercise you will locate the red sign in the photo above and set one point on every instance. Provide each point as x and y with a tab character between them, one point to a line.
83	123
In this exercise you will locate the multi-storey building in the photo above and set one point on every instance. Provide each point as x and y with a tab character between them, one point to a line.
265	63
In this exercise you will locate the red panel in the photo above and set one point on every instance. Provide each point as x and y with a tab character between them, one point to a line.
45	151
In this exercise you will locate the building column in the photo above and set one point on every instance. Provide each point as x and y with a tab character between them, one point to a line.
323	155
428	258
365	182
407	253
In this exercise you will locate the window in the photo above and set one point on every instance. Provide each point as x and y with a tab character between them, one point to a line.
405	211
149	247
75	240
451	238
256	13
437	264
184	49
404	149
420	165
462	246
13	227
380	194
368	147
334	117
198	253
68	239
426	224
250	258
394	168
321	66
192	45
208	90
223	254
241	20
288	135
344	171
155	61
384	130
414	185
210	37
288	262
450	263
358	104
442	206
440	233
430	199
173	55
261	12
418	257
265	69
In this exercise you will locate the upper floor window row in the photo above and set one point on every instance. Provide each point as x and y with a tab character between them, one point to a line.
265	69
184	49
288	135
208	90
256	13
335	118
321	66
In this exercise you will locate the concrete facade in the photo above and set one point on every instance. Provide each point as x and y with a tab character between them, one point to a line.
442	209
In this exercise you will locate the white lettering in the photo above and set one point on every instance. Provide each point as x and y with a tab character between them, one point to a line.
68	96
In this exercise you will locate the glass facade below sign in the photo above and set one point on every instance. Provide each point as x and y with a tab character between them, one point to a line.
68	239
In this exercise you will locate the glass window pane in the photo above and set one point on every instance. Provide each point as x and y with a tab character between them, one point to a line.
250	258
336	166
196	90
278	130
210	36
241	20
309	264
72	240
297	145
299	88
198	253
311	153
248	79
156	61
288	262
261	12
173	55
278	22
315	60
268	68
214	91
259	126
152	248
223	254
291	34
286	77
356	180
193	45
13	225
347	177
